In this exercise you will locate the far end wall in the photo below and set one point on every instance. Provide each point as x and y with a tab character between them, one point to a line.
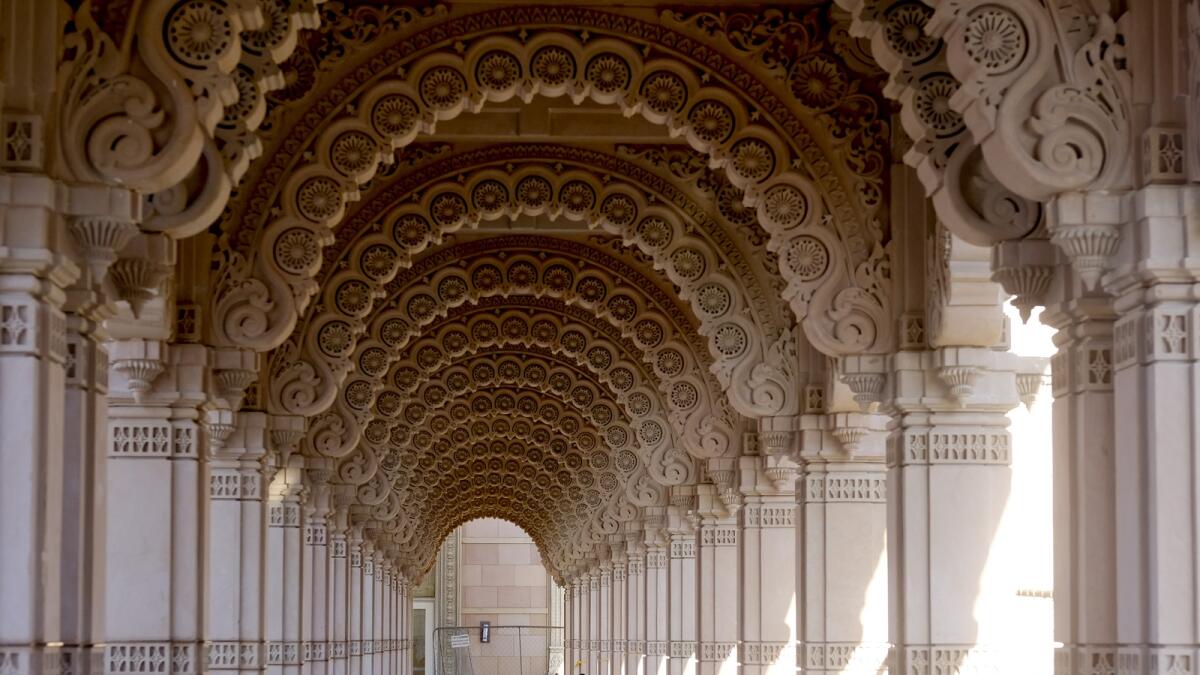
502	579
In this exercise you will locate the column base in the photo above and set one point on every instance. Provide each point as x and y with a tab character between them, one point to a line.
1090	659
233	655
40	659
959	659
851	658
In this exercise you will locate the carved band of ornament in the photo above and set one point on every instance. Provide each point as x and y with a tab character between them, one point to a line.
846	488
1164	333
724	536
683	550
768	517
232	655
283	653
150	657
151	439
837	656
33	329
937	659
656	648
681	649
982	446
717	651
761	653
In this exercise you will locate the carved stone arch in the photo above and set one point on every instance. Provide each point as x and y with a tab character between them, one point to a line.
611	74
670	358
735	341
667	391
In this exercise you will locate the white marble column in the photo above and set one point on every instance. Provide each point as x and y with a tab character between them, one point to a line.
231	598
769	616
284	582
33	349
85	432
368	606
683	607
635	600
619	611
574	604
658	589
377	605
339	583
842	531
718	576
318	594
949	478
354	603
257	470
606	617
1156	360
154	503
1085	553
593	623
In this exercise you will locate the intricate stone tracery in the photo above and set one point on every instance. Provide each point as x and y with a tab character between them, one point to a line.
253	306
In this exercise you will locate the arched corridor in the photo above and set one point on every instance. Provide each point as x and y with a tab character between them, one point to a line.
707	300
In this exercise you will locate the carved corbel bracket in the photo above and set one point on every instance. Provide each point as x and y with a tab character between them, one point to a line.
1087	227
1024	269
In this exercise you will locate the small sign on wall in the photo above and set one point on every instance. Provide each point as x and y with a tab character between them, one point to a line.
460	641
485	631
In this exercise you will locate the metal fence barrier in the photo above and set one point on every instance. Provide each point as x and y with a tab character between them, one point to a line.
510	650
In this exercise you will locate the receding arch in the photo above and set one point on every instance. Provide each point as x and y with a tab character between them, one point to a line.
252	306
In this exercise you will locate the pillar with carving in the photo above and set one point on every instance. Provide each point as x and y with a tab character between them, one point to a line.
718	576
683	585
620	611
283	569
1085	555
317	569
1156	362
233	585
354	601
339	583
154	501
658	588
593	621
949	476
635	598
842	528
367	608
85	432
768	565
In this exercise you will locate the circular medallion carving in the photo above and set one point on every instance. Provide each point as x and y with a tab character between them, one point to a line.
352	153
335	339
378	261
553	65
904	30
807	257
818	81
198	32
711	121
353	297
442	87
498	71
752	159
995	39
296	251
319	198
394	115
608	73
730	340
932	104
785	206
664	92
